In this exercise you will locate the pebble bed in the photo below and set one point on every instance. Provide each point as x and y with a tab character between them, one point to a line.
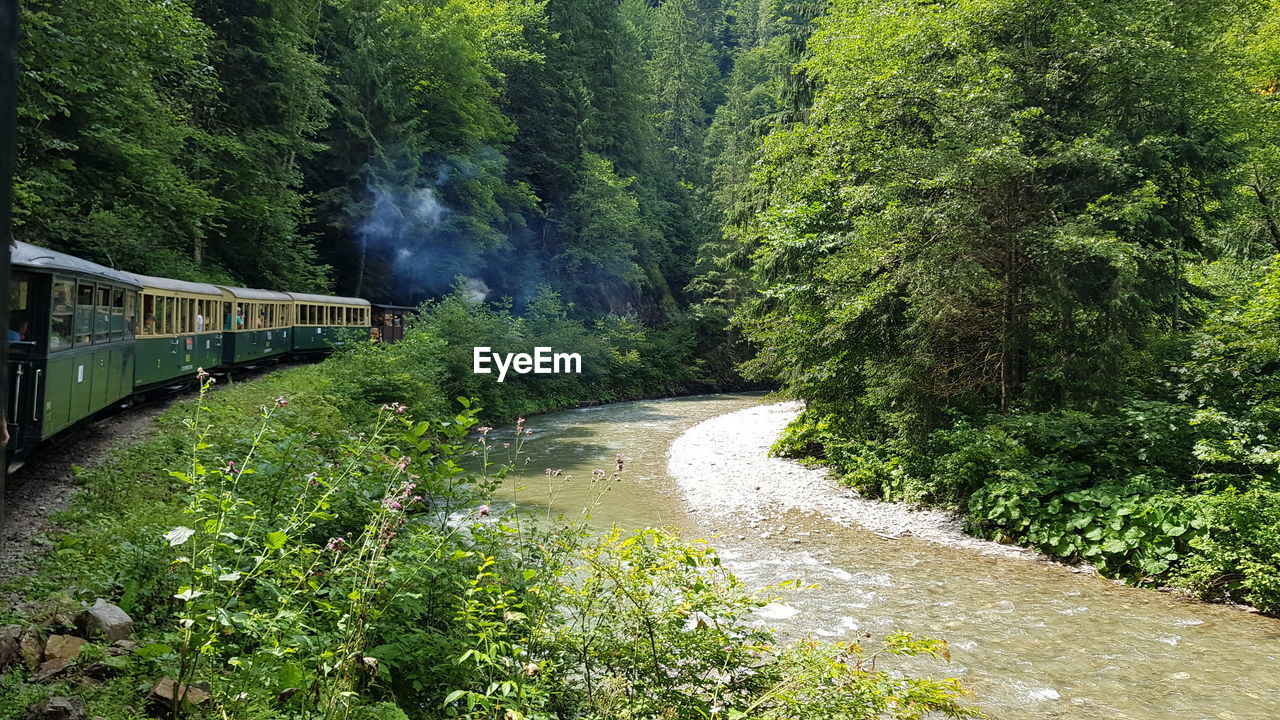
724	471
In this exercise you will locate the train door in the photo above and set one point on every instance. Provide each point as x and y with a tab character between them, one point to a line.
28	329
100	391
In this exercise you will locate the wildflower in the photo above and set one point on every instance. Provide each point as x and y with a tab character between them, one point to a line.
531	669
484	430
311	479
201	373
618	458
519	424
482	511
506	445
415	499
391	503
404	463
336	544
281	401
597	474
231	466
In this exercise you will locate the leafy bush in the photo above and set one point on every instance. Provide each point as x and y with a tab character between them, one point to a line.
1237	556
621	359
296	564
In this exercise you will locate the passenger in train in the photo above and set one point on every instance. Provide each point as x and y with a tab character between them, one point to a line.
18	324
149	324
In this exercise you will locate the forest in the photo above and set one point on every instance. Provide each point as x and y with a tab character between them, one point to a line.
1016	257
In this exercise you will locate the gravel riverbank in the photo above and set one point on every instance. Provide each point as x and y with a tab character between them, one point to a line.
723	468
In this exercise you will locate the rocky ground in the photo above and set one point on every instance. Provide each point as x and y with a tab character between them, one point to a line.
723	468
48	481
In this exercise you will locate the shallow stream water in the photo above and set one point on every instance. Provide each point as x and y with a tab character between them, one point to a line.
1031	639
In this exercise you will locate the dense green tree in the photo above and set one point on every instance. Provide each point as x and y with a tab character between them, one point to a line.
990	201
684	73
110	161
411	191
261	130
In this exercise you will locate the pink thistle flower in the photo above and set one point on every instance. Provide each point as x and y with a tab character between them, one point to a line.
336	544
483	511
403	463
202	373
484	430
281	401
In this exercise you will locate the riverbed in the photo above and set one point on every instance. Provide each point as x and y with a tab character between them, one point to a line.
1032	639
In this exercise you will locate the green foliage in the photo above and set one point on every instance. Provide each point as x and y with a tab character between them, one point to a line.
313	567
973	214
621	359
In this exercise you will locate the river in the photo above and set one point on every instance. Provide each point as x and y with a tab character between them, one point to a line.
1031	639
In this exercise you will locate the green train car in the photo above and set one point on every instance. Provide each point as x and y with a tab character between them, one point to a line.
84	337
256	325
180	330
321	323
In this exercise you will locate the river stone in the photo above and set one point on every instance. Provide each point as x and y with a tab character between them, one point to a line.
62	647
107	619
58	708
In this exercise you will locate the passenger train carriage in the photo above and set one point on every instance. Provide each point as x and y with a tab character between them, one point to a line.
93	337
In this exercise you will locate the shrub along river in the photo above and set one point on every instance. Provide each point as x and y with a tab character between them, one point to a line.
1031	639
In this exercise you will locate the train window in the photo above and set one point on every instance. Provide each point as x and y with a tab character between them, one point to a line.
62	314
102	315
168	318
189	324
131	314
148	314
117	314
84	314
19	309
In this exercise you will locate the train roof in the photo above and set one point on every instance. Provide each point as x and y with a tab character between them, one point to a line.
406	308
255	294
329	299
23	254
159	283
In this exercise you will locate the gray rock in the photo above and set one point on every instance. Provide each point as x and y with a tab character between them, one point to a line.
10	650
58	708
107	619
